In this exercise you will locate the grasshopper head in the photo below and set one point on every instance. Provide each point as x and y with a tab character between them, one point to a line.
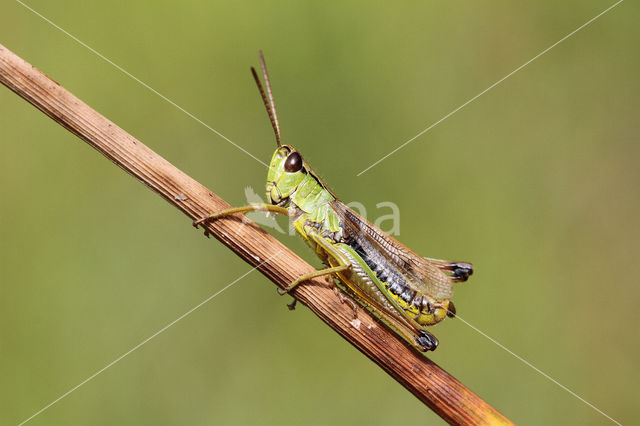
286	171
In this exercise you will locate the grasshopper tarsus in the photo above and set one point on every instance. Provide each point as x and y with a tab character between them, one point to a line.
201	221
282	291
343	298
354	306
196	223
292	305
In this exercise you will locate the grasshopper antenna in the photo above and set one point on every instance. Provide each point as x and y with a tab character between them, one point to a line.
268	103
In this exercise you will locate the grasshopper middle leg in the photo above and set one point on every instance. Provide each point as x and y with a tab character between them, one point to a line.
311	275
341	264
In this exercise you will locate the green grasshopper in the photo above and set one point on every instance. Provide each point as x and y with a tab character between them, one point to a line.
403	289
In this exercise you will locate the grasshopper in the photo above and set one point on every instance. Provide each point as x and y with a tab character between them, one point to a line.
407	291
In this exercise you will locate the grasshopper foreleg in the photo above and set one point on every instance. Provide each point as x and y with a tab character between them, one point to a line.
263	207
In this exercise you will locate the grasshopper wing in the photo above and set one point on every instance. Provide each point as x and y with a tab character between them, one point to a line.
424	275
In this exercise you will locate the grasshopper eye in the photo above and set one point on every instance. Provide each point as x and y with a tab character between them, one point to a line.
293	163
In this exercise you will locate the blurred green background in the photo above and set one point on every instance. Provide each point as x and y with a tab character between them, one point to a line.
536	183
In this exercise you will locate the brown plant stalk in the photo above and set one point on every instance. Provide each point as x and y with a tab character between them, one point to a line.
422	377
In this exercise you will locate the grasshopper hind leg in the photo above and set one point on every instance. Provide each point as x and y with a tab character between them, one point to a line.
346	299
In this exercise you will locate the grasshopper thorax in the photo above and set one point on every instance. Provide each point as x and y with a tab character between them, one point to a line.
286	172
